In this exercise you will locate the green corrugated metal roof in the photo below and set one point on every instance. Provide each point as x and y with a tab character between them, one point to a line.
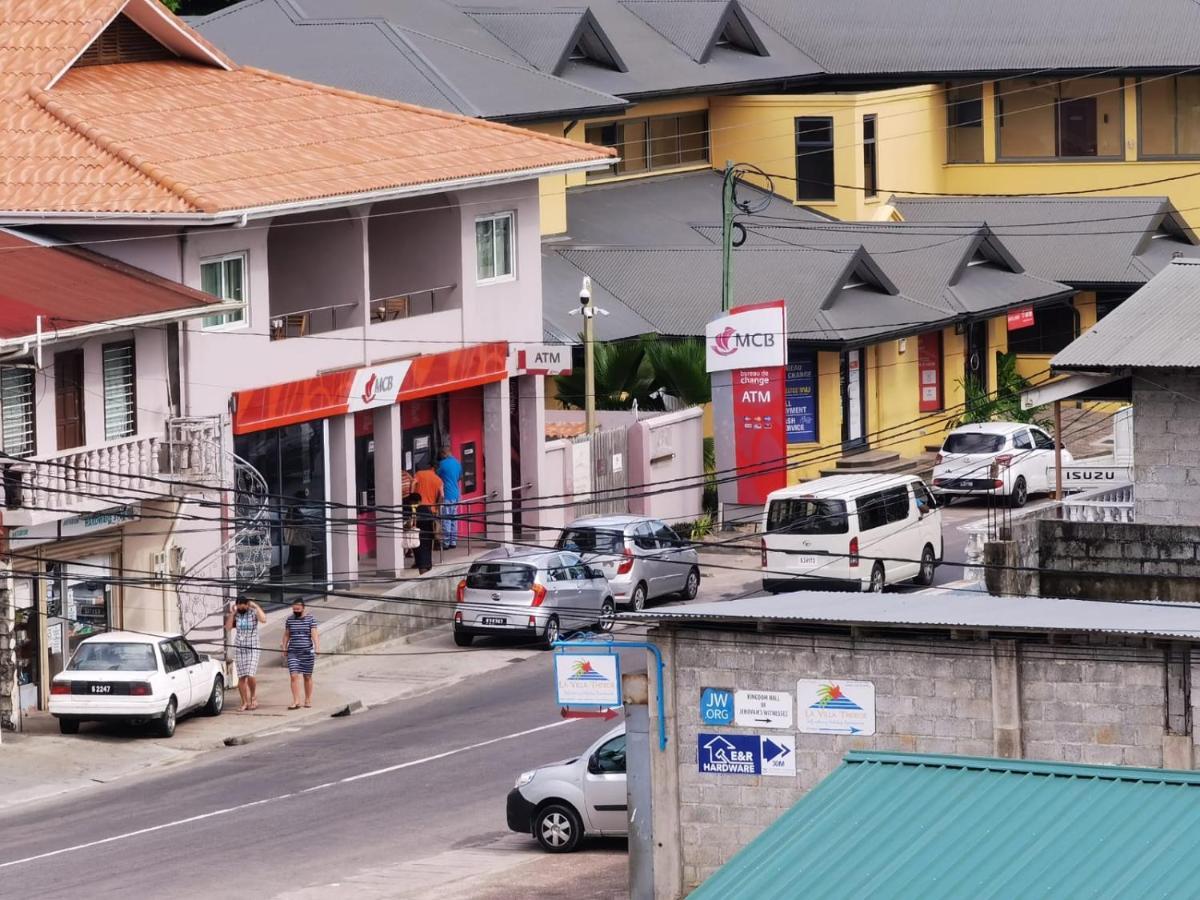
916	825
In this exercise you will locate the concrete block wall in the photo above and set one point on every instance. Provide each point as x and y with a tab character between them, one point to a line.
1083	704
1166	441
1117	560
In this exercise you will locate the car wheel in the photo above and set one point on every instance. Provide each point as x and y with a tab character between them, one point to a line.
68	726
557	828
608	613
462	639
216	700
692	587
638	599
166	722
878	579
552	633
1020	493
928	564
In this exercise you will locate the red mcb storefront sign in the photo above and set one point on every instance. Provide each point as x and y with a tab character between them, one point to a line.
354	390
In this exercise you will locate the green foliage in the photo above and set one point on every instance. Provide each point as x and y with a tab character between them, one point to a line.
196	7
641	370
680	370
696	530
1005	405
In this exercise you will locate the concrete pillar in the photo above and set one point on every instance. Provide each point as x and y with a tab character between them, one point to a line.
664	774
1178	749
343	512
639	746
531	406
497	460
389	552
1006	700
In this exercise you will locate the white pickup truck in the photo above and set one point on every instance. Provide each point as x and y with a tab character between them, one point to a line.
1110	470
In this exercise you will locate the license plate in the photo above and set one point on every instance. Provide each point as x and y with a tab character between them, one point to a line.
101	688
808	561
494	620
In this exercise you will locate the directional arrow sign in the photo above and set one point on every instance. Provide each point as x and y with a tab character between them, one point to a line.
778	754
762	709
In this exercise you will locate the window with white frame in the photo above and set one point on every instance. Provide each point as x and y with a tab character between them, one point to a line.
120	391
225	277
16	411
494	258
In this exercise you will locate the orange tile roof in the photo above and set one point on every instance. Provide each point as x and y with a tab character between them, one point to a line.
182	137
556	431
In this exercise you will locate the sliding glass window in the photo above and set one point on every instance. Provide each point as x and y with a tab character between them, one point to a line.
1169	117
1081	118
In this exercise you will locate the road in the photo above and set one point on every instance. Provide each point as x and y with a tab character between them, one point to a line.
347	808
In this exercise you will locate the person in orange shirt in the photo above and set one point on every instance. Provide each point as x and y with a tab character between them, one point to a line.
428	486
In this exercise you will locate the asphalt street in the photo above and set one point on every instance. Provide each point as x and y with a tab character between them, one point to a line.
316	808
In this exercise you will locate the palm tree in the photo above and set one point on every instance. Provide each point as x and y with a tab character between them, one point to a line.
623	375
680	370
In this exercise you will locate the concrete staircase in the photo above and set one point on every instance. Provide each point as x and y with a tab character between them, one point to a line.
883	461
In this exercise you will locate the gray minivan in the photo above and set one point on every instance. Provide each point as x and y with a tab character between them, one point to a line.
511	590
642	558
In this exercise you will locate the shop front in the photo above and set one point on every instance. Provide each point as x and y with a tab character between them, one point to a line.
333	449
67	586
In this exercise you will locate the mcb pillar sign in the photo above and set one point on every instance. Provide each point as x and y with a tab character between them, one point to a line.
747	363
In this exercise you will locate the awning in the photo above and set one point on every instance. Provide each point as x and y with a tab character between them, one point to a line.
1080	386
354	390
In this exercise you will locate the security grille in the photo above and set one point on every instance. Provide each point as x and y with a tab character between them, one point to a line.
16	411
120	402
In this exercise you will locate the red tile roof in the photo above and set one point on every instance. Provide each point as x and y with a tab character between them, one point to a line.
63	285
200	135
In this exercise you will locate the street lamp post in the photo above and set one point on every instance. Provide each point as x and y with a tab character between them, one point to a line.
589	354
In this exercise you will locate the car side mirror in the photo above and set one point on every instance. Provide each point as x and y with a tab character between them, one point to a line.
595	573
594	764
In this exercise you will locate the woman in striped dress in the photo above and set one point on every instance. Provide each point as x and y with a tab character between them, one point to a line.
243	621
301	644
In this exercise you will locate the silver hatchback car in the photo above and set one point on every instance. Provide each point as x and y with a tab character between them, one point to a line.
642	558
540	593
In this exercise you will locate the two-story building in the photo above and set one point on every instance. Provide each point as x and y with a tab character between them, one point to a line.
854	110
376	263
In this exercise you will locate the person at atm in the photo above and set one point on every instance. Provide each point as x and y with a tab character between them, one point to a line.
428	487
450	470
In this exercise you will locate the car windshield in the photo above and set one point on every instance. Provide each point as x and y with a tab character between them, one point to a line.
973	442
807	515
591	540
110	657
500	576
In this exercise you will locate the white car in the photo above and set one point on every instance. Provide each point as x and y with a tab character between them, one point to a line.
122	676
1009	459
561	802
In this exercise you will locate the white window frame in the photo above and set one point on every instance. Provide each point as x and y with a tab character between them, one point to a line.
229	324
511	215
32	448
131	400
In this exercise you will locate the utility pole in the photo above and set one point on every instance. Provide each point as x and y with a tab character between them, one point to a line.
728	211
589	354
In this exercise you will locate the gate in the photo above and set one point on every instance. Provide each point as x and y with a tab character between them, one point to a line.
601	472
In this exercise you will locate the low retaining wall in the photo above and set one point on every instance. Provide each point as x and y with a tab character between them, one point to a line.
417	605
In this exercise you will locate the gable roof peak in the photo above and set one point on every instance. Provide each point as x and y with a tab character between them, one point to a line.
697	27
549	38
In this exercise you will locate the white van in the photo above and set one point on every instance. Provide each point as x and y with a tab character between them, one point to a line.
856	532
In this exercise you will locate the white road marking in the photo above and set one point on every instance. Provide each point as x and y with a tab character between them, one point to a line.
319	787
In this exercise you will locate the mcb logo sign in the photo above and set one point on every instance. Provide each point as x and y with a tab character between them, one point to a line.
749	337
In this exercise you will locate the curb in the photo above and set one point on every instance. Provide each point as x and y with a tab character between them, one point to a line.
334	712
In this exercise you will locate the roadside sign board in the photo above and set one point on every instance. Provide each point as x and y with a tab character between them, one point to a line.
588	679
746	754
778	754
716	706
762	709
835	706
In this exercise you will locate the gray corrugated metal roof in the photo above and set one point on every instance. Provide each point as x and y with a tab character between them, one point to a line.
1157	328
561	281
540	36
944	610
882	36
1077	240
419	51
688	24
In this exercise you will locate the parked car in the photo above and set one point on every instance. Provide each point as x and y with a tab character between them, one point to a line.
535	592
861	532
122	676
642	558
1008	459
560	803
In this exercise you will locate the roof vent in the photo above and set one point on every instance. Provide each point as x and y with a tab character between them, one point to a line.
122	42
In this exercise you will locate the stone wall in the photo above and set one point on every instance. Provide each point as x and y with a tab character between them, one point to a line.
1090	704
1117	560
8	659
1166	440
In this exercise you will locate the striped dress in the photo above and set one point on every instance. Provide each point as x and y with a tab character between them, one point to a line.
301	655
245	643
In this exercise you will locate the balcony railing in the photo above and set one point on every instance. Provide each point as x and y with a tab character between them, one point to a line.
314	320
88	479
411	303
1106	504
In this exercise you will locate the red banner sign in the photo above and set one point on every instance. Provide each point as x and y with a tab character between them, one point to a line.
352	390
1020	318
760	432
929	367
